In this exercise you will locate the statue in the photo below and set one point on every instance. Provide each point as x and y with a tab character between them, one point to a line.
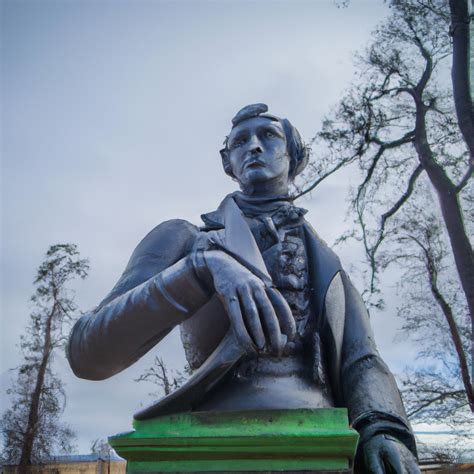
268	317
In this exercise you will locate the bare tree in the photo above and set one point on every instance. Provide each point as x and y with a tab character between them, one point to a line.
31	427
159	375
102	448
435	315
410	133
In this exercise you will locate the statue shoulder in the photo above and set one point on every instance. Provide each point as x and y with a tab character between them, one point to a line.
170	238
163	246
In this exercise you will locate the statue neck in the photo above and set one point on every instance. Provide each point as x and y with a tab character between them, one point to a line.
271	189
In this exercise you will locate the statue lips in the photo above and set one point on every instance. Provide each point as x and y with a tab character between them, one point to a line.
255	164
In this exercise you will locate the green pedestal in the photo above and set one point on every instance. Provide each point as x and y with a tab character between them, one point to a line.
270	440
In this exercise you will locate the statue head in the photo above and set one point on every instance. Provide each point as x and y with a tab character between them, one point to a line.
263	150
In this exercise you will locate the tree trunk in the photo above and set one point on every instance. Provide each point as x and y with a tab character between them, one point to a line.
461	26
31	429
453	328
452	215
460	72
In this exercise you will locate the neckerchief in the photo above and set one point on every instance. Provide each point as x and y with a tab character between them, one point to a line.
281	208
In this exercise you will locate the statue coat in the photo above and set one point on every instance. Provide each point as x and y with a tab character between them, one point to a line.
128	323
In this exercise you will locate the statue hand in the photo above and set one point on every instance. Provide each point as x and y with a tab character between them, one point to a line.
384	454
259	315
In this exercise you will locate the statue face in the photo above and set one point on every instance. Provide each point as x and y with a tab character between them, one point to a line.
258	153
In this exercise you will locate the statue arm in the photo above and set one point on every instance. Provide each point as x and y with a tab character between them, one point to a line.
158	290
368	387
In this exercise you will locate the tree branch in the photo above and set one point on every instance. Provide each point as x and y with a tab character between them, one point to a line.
449	316
429	6
371	251
441	397
407	138
323	177
465	179
404	197
370	171
425	77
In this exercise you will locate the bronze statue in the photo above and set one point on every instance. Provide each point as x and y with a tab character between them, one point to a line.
268	317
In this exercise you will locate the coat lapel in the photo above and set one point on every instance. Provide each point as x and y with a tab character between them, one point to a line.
239	240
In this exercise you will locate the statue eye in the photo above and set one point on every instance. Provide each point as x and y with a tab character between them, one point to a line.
238	142
269	134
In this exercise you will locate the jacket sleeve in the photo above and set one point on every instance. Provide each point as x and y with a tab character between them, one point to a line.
158	290
368	387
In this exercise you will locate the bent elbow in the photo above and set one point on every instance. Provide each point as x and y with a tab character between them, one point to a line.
84	362
88	371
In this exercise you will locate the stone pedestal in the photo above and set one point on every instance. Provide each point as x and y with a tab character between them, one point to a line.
248	441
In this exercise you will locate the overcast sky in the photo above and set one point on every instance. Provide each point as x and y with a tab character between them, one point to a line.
113	113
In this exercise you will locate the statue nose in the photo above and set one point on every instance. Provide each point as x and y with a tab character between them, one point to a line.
254	145
255	150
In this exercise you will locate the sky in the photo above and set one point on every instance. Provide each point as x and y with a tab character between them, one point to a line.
113	113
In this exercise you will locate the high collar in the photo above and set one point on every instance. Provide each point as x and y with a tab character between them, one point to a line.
215	219
251	207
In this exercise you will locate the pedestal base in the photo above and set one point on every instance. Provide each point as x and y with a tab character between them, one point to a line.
263	441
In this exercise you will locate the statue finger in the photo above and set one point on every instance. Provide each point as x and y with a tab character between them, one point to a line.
270	321
373	463
232	306
251	317
411	466
283	312
393	462
398	457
